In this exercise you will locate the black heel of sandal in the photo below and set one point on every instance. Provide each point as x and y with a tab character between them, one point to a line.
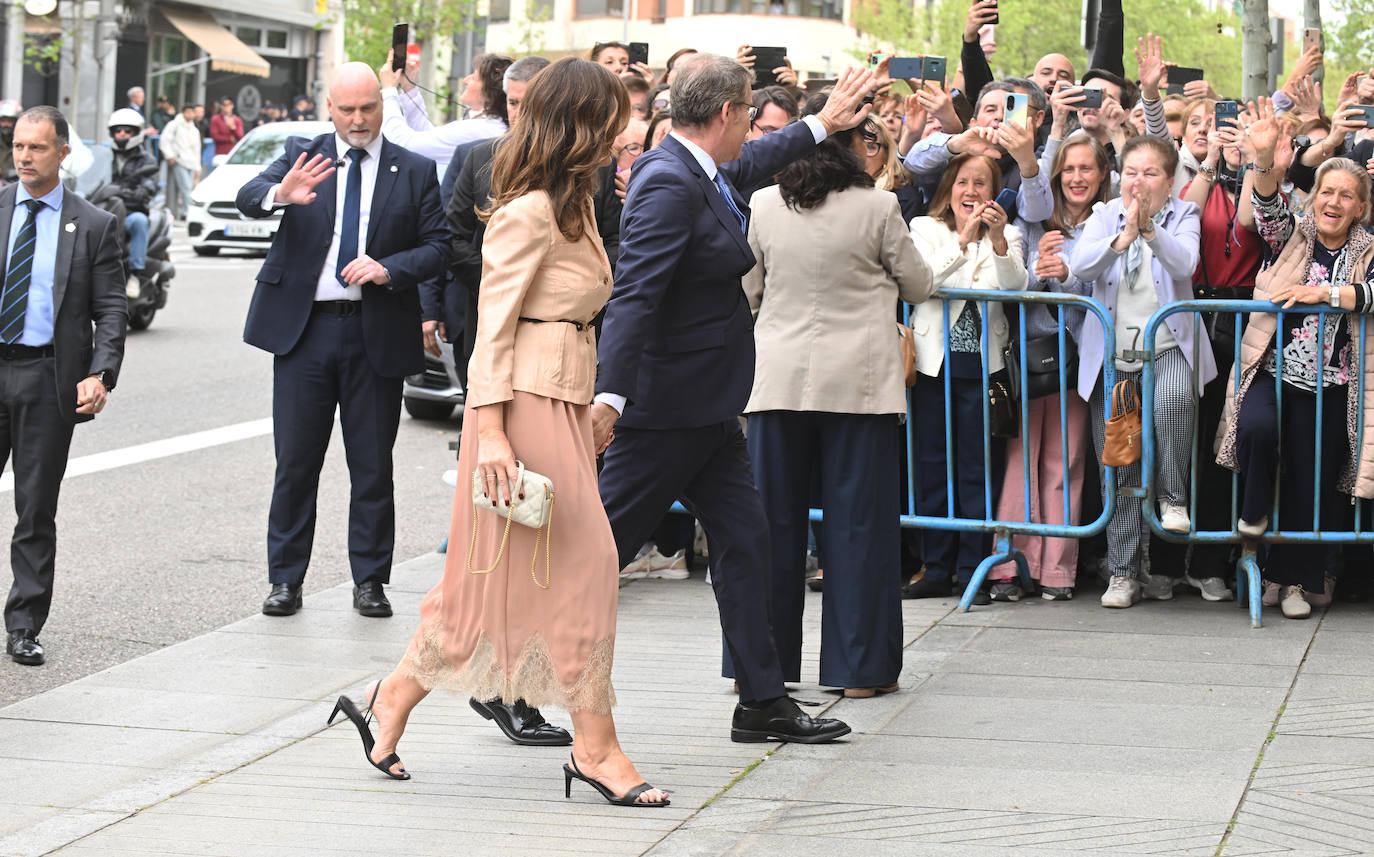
627	799
350	711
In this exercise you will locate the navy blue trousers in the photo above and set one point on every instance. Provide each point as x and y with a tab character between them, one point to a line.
855	457
329	368
707	468
951	555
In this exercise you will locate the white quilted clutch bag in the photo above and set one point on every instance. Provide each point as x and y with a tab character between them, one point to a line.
533	511
531	506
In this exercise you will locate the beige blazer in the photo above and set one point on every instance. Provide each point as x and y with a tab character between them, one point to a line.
530	270
824	297
975	268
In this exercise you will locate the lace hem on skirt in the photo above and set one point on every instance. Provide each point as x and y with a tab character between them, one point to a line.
532	679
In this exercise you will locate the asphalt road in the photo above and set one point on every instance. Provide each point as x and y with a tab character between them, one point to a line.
169	541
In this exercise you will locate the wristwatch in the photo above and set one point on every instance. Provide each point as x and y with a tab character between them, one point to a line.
1334	296
103	376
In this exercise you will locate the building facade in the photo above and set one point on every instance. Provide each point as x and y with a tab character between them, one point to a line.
192	51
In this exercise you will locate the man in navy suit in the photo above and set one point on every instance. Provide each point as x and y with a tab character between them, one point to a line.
676	361
337	303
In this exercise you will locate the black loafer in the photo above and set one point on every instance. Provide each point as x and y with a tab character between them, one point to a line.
23	648
370	600
522	723
924	587
283	600
783	720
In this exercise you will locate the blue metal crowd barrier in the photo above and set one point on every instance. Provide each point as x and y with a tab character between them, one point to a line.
1248	572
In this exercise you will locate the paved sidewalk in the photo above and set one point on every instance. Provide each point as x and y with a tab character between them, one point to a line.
1170	728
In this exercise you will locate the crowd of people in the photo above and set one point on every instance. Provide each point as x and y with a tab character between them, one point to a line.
684	286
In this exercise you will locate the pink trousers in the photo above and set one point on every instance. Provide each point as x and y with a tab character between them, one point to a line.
1054	562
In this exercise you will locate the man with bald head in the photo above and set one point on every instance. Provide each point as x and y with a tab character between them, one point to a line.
1051	69
337	304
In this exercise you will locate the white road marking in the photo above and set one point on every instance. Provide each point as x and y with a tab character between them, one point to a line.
156	449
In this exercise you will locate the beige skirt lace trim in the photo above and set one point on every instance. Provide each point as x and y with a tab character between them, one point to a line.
533	678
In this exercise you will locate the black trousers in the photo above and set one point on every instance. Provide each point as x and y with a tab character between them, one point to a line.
329	368
708	468
34	441
855	457
1260	456
953	555
1213	486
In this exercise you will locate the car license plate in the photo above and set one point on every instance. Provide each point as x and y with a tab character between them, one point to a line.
247	230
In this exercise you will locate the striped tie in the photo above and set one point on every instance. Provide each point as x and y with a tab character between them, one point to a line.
15	299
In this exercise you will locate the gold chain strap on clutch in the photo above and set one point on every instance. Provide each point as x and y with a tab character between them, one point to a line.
539	535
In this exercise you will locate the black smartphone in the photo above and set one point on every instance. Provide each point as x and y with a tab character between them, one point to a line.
1180	75
1007	200
996	18
1091	98
1366	111
905	68
933	69
639	52
1227	114
765	60
400	42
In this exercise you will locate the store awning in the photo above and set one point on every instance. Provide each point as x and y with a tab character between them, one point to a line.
226	52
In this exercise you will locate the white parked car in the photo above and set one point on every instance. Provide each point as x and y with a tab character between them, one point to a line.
213	221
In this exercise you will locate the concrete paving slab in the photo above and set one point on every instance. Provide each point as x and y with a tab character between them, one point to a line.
1038	663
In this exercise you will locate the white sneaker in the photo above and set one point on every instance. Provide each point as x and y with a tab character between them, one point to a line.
668	567
1211	588
699	541
132	287
1121	592
1174	518
1158	587
638	568
1294	605
1253	529
1271	590
450	478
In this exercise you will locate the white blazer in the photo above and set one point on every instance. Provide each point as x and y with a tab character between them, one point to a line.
975	268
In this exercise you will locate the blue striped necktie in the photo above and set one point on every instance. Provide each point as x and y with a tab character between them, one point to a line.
730	200
15	300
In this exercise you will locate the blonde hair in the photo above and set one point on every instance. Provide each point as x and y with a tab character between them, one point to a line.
1341	165
893	174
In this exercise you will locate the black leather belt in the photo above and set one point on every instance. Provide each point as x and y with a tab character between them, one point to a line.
580	325
24	352
343	308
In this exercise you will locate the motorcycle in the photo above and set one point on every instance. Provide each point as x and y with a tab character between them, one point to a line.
147	294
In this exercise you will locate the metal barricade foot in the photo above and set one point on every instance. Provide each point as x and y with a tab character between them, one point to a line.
1002	551
1248	583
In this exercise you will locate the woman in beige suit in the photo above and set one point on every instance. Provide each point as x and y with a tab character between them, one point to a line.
970	246
512	618
834	255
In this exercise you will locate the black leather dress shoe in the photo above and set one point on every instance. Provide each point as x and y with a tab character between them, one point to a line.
23	647
522	724
783	720
283	600
370	600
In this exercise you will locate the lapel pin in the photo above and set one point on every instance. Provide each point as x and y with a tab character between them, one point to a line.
393	168
71	227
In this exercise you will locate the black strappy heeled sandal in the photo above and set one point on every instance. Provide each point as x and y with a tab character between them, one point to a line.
351	712
627	799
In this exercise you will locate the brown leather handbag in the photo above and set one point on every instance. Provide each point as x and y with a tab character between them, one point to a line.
1121	446
907	341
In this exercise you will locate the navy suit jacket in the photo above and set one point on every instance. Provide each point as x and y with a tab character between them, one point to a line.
678	339
406	233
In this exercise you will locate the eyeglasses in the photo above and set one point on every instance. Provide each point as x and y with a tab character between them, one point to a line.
661	103
753	111
632	148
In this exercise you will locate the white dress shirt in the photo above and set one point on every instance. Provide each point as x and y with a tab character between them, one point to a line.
329	288
708	164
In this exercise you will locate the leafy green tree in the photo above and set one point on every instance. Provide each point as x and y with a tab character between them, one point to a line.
367	24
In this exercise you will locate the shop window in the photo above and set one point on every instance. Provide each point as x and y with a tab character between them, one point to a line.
832	9
276	39
250	36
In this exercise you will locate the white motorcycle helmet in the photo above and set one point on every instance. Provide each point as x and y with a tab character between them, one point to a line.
125	117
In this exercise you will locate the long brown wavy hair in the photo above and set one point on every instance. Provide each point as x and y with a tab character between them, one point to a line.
569	119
